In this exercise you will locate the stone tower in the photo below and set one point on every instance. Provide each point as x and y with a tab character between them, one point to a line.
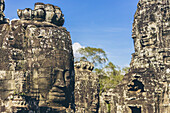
36	62
146	88
86	88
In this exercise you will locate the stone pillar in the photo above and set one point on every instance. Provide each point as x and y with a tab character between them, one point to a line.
86	88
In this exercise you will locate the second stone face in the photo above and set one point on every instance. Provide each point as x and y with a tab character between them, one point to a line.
86	88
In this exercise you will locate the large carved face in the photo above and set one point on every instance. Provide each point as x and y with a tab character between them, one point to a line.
52	69
147	28
151	35
40	64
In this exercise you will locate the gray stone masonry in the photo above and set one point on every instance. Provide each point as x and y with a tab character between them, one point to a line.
146	88
36	64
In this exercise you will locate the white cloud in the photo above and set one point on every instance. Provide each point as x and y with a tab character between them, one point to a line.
76	46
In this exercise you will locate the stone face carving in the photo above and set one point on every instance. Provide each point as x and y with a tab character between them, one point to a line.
58	17
43	12
39	5
25	14
86	88
49	12
36	65
151	34
145	88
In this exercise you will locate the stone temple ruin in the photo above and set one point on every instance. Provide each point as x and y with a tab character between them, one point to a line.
38	74
36	62
146	88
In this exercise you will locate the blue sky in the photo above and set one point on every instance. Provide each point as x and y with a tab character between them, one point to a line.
105	24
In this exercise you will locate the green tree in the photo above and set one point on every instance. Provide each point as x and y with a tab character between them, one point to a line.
109	74
110	77
95	55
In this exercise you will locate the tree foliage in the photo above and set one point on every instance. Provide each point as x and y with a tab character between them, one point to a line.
94	55
110	75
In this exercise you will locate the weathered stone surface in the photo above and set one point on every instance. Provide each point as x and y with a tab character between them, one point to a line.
36	66
2	15
146	88
86	88
43	12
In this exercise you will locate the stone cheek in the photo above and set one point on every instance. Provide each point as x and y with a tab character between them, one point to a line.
36	63
86	88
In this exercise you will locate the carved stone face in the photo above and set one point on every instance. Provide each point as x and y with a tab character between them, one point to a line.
43	70
49	12
146	29
38	14
49	16
150	37
43	12
25	14
39	6
58	14
49	7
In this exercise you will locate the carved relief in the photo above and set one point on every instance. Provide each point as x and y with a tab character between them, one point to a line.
150	38
86	88
38	63
43	12
136	86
